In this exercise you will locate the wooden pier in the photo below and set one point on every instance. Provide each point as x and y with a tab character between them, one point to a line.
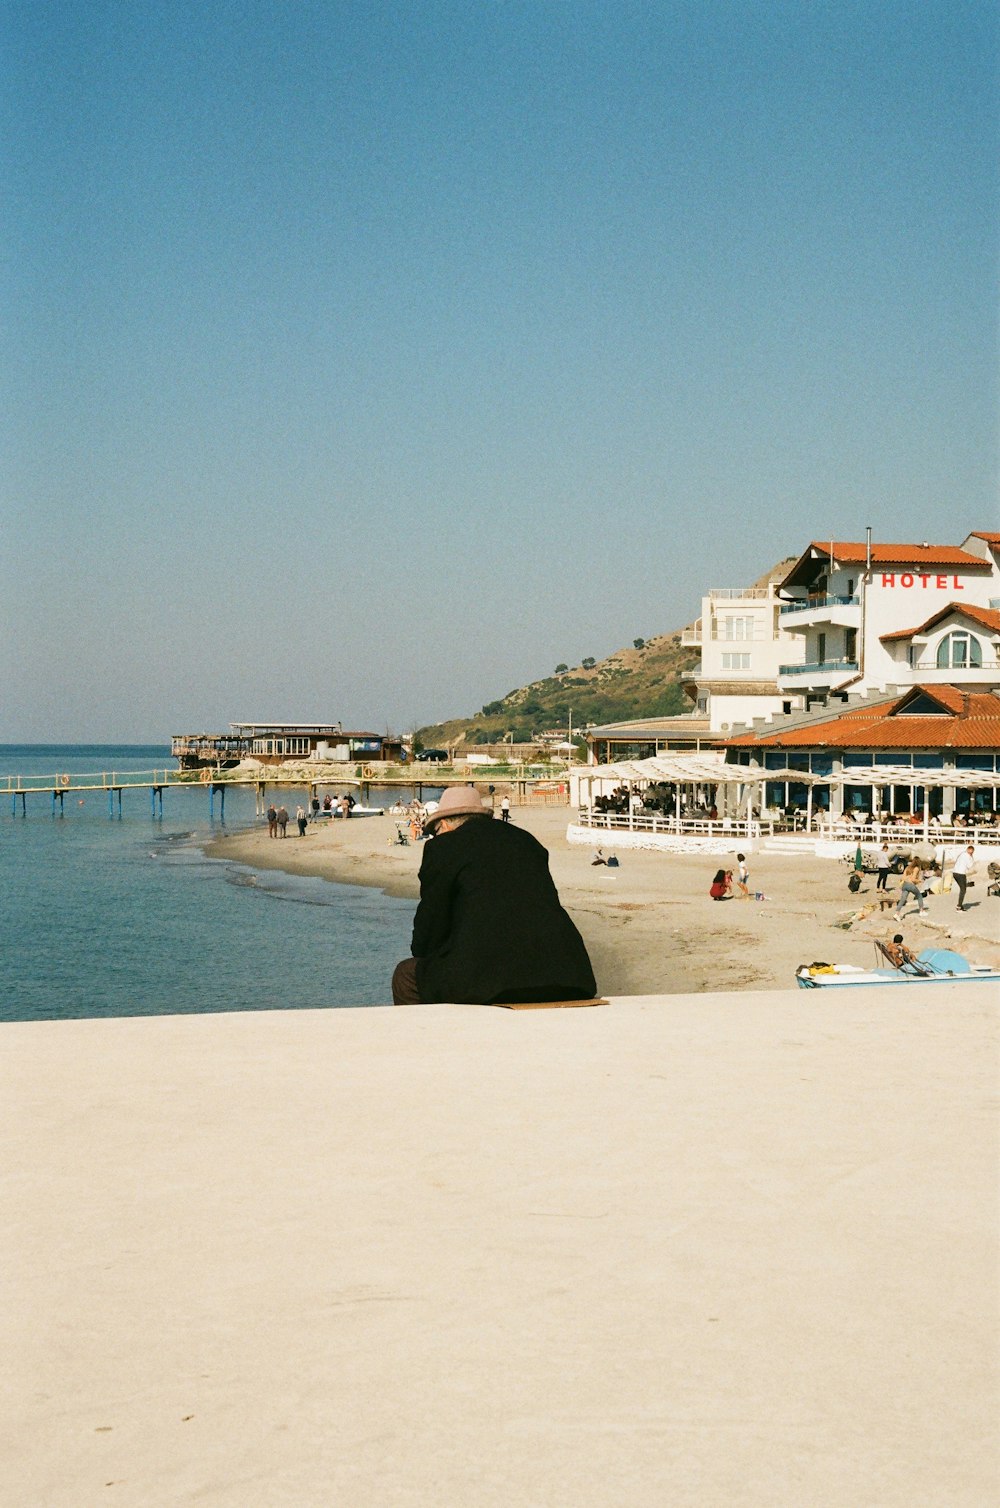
523	785
113	783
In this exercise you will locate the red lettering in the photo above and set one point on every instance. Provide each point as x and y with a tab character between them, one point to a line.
888	580
941	582
925	581
906	579
959	586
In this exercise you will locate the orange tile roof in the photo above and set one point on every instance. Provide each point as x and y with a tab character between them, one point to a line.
991	539
989	617
968	720
850	551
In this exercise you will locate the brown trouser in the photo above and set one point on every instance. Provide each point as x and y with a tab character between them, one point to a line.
404	983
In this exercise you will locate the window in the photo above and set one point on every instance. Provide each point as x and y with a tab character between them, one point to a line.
737	627
959	651
735	662
851	644
821	648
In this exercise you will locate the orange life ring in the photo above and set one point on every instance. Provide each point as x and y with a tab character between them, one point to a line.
64	780
206	776
368	772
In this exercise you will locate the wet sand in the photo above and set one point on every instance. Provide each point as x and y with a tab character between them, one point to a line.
650	925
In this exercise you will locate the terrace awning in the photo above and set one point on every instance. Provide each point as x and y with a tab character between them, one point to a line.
708	768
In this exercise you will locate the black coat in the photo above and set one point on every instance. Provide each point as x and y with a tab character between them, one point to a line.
489	925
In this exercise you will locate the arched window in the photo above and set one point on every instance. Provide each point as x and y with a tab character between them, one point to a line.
959	651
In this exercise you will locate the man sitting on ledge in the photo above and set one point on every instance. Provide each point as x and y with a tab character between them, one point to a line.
489	927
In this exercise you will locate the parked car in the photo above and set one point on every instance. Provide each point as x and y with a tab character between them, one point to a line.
433	756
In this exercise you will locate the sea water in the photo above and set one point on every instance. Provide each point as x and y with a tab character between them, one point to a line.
108	915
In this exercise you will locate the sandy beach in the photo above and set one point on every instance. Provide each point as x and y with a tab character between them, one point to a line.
650	925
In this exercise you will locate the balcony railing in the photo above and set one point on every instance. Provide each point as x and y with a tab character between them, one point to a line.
819	667
813	603
737	593
925	667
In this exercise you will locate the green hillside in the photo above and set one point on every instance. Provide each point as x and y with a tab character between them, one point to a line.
641	681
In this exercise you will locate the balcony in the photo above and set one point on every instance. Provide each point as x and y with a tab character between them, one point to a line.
691	637
820	667
844	611
818	675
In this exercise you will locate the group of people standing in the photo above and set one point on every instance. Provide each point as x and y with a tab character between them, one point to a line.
277	821
918	879
333	806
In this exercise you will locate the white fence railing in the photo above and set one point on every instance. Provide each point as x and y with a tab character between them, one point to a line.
691	827
899	834
896	834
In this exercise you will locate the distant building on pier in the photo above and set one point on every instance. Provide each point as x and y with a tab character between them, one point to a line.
284	743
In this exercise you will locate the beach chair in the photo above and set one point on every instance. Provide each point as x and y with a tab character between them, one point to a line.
910	965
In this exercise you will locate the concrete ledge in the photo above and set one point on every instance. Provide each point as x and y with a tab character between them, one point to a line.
715	1250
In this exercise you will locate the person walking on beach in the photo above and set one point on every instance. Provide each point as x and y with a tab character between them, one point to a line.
883	863
272	821
282	821
912	875
489	926
960	871
505	809
742	876
301	820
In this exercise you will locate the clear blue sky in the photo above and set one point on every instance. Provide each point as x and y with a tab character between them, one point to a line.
365	360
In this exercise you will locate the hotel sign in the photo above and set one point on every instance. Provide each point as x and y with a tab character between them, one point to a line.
924	578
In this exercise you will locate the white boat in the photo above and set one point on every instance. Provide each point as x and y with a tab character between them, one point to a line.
932	965
357	811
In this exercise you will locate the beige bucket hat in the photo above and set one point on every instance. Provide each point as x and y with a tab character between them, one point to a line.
457	801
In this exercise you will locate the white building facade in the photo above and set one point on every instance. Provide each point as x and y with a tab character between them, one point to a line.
743	643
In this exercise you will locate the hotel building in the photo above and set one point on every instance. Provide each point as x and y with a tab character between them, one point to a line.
871	615
899	682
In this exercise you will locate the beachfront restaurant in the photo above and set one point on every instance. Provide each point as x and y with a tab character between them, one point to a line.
283	743
646	738
924	763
